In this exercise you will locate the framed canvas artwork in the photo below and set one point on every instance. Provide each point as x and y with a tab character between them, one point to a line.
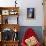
30	12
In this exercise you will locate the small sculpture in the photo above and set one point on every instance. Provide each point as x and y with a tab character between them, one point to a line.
15	3
6	21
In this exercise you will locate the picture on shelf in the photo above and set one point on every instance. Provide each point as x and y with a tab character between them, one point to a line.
5	12
30	12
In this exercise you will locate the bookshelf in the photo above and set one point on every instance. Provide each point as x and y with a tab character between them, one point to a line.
6	24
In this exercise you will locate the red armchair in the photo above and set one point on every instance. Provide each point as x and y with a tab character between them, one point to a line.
30	38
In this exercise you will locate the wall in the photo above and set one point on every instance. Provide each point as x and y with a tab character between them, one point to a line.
37	22
24	4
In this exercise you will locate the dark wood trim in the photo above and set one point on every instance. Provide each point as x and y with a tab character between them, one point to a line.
5	8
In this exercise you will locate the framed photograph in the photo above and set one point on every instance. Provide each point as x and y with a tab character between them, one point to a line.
5	12
30	12
12	12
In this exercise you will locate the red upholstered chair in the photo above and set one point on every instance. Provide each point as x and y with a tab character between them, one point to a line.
28	35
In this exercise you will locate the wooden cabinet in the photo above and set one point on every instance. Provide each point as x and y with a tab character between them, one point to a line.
10	43
7	26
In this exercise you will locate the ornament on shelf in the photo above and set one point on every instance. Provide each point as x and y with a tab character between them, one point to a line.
6	21
15	3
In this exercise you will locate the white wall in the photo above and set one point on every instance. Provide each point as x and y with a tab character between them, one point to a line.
24	4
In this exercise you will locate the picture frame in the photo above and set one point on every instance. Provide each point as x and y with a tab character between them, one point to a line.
30	13
5	12
13	12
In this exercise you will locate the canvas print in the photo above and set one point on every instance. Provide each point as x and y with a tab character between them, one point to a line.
30	12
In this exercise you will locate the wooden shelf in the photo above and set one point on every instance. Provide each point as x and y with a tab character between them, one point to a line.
11	26
3	8
4	13
9	43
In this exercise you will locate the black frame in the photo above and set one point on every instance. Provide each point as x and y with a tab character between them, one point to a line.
30	12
